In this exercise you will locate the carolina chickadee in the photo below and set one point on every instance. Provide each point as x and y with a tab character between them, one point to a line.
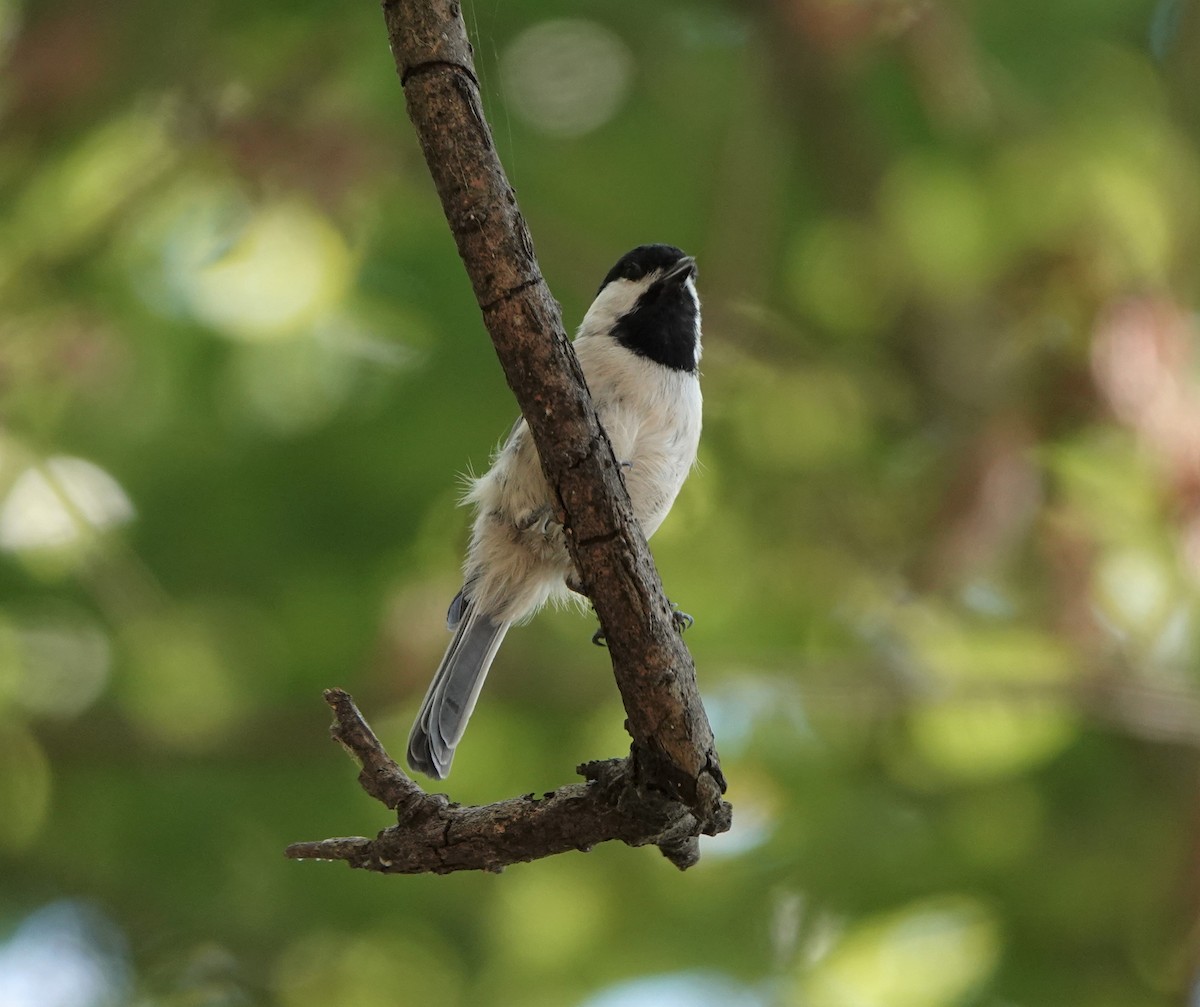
639	346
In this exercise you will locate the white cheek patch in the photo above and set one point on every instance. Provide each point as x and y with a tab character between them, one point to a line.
618	298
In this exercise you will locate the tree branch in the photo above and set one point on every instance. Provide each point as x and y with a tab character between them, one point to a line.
670	786
434	836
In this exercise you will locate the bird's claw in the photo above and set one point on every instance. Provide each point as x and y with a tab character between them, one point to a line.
682	620
539	515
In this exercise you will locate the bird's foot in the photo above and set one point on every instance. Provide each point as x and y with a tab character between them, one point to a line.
682	622
681	619
539	515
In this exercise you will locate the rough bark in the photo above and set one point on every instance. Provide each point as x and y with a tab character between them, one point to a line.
435	836
671	783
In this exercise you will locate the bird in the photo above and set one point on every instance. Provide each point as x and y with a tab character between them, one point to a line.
639	347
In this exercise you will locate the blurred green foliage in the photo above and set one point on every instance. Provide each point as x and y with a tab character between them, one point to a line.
943	547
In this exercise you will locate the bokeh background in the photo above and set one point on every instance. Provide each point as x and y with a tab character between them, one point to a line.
943	547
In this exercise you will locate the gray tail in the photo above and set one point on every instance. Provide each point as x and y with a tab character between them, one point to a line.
455	688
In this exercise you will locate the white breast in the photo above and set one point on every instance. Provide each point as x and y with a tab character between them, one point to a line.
517	559
653	416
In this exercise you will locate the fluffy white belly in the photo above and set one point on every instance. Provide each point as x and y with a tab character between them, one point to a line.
518	559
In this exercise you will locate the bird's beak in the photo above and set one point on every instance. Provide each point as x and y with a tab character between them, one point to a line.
682	270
